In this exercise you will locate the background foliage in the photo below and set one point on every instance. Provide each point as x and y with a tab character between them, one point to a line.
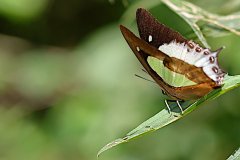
67	85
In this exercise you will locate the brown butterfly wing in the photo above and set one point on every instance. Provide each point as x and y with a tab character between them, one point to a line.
135	43
156	34
149	26
142	49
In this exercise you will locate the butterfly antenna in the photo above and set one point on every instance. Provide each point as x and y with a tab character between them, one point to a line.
144	78
144	71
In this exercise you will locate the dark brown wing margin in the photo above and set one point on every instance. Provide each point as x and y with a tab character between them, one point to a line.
148	25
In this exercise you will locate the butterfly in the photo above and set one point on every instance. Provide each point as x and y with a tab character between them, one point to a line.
182	68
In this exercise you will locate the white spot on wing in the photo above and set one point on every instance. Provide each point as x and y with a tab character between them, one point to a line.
138	49
150	38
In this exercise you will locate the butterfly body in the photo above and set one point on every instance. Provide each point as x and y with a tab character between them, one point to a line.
183	69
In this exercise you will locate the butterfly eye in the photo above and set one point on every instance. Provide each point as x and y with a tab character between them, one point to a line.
198	49
212	59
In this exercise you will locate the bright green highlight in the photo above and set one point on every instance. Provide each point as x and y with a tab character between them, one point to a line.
172	78
22	10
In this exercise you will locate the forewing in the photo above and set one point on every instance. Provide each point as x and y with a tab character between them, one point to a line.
142	50
154	32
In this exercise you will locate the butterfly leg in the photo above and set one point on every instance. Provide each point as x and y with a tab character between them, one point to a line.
179	106
169	109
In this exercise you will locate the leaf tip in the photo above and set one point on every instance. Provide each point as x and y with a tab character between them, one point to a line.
111	145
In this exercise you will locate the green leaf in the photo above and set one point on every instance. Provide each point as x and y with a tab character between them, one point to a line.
235	156
164	118
193	14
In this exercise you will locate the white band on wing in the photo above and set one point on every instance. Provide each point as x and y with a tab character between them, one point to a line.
193	54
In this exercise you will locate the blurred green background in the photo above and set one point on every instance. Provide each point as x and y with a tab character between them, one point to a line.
67	86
